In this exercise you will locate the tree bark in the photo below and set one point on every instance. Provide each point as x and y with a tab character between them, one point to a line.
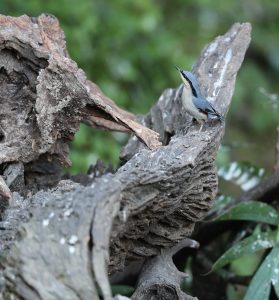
62	243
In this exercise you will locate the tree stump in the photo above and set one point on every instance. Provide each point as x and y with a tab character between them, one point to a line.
60	239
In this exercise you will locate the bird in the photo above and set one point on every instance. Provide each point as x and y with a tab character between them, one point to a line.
194	102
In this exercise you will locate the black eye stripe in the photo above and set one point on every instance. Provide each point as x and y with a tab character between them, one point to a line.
190	83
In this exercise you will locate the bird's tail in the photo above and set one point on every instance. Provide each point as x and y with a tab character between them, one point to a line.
221	118
217	116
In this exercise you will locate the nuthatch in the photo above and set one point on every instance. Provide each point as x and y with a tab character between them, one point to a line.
194	102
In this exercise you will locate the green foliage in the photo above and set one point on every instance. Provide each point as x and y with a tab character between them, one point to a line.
267	275
246	265
87	139
253	243
268	272
251	211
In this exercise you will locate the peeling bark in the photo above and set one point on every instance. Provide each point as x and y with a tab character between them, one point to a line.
45	95
62	243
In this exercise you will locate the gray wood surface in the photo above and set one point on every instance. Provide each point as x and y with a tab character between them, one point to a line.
63	242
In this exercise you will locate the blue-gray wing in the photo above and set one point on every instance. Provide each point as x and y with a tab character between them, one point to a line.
204	106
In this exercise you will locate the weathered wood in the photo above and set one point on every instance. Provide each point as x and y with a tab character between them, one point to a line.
173	188
44	95
160	276
71	236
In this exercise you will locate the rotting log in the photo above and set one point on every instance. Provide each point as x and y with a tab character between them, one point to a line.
45	96
62	243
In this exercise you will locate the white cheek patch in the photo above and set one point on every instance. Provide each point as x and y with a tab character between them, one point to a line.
185	82
187	102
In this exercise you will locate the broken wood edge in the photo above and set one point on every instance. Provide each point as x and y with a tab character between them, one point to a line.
149	137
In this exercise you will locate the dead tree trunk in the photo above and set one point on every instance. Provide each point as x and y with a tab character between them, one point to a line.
62	243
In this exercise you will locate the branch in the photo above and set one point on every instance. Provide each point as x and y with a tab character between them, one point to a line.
161	277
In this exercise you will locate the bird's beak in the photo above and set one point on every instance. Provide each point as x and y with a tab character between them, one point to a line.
182	75
178	69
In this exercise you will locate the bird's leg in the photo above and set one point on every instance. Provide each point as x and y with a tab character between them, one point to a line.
202	123
4	189
199	122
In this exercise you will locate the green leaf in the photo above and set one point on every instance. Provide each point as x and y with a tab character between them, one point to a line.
251	211
249	245
275	270
268	272
276	285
